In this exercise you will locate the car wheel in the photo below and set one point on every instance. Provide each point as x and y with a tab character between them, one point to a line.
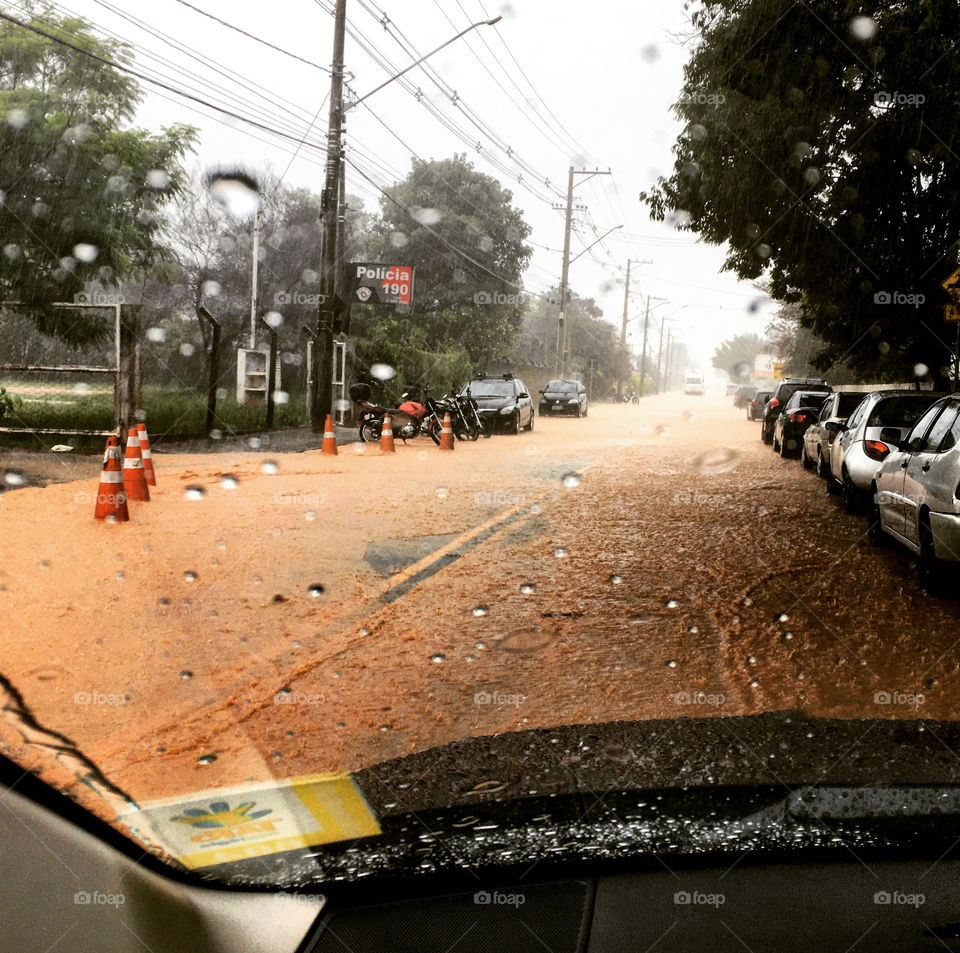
530	425
784	450
775	442
849	496
805	460
766	435
928	566
576	412
585	408
875	534
823	471
516	421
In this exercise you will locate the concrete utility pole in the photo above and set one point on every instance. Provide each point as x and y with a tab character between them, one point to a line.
643	358
565	270
323	347
253	280
626	299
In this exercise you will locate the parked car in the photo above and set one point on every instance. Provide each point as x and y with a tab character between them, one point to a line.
798	413
859	449
743	395
564	397
755	407
504	402
782	393
820	435
915	496
731	388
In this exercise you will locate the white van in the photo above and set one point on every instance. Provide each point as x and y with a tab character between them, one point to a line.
693	384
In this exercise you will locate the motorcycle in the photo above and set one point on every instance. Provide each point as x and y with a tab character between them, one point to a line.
465	419
629	398
409	420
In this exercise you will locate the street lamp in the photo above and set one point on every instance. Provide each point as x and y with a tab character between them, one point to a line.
331	206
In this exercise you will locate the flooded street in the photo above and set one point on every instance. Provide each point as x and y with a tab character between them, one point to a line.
290	614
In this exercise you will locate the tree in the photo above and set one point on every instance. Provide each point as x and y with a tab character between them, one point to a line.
820	147
736	355
458	228
81	189
799	348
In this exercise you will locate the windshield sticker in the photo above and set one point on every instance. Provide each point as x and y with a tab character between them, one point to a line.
229	824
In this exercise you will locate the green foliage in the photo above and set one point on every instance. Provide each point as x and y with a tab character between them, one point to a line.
81	190
452	204
8	403
736	356
790	158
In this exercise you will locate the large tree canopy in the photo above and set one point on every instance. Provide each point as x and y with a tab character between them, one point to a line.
458	228
821	146
80	187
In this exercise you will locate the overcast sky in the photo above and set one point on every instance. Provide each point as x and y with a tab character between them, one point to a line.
555	83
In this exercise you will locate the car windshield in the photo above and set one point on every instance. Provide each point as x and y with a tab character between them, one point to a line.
276	629
846	402
900	411
490	389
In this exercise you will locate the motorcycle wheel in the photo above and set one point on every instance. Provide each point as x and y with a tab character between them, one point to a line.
370	431
433	428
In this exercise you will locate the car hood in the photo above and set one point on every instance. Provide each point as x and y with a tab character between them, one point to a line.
494	403
558	395
681	786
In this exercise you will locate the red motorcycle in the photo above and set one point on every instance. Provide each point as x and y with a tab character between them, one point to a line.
409	420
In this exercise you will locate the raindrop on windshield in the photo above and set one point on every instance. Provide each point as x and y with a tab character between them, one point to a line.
671	604
616	580
210	288
206	759
480	610
863	28
274	319
85	252
268	466
17	118
671	663
194	492
158	179
186	673
237	192
442	492
717	460
438	657
229	482
921	370
156	335
571	480
528	588
560	552
187	349
382	372
190	576
316	590
15	478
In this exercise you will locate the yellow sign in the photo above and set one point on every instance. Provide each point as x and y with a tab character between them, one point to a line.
779	370
952	284
228	824
951	312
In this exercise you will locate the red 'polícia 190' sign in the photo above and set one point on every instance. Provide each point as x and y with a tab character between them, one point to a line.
393	283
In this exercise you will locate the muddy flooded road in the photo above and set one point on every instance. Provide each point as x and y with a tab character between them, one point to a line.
300	614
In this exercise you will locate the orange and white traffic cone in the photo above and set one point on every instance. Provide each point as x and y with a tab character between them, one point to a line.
146	454
111	498
329	444
386	436
134	481
446	433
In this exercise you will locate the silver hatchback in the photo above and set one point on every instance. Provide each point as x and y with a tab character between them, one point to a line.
916	492
859	448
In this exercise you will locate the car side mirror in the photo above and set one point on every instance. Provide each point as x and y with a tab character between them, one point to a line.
833	426
523	394
539	391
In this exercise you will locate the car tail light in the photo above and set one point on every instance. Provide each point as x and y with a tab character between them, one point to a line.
875	449
798	418
774	402
756	403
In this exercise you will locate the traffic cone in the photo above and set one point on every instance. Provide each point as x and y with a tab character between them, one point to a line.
111	498
134	481
446	433
146	454
329	444
386	436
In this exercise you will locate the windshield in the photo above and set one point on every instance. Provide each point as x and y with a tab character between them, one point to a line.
490	389
899	411
847	402
256	616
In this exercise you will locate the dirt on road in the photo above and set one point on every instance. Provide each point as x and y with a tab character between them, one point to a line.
280	615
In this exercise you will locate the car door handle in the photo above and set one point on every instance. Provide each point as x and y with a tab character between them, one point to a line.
925	467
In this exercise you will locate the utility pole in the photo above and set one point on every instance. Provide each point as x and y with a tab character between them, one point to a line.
626	298
253	280
643	358
666	367
565	270
323	348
